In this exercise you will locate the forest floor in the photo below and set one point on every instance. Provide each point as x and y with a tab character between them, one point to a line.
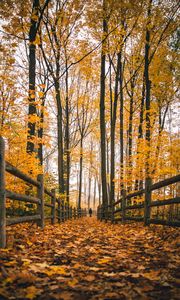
87	259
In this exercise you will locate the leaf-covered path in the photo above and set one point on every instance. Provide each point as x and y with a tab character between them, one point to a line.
87	259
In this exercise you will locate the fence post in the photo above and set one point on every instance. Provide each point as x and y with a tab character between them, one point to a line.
59	211
53	209
2	195
40	195
66	213
100	212
71	212
123	205
63	210
103	212
112	212
147	201
74	213
68	209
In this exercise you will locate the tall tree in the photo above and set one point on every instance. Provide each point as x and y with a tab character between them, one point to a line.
32	74
36	18
102	110
148	104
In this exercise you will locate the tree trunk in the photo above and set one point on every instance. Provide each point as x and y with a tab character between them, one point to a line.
77	186
113	128
40	134
139	181
89	192
80	172
67	140
32	76
121	125
60	139
129	187
147	89
102	118
148	123
107	159
85	188
94	202
99	189
90	174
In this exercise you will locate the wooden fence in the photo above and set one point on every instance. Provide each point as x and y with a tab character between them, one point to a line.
59	209
119	211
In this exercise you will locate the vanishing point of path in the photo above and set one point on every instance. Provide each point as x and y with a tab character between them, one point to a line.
87	259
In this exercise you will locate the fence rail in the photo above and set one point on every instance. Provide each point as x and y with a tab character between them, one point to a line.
118	210
60	210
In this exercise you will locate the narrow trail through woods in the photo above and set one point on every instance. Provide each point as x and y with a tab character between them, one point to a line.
88	259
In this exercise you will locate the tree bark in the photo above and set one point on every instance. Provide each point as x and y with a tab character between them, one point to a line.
89	192
32	76
108	168
147	89
148	121
139	180
129	187
90	174
80	173
94	202
67	139
60	139
121	125
102	117
113	128
40	134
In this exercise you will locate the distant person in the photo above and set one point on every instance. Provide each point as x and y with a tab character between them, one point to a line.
90	212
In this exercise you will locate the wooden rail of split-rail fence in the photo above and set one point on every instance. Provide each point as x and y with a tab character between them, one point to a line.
122	209
59	209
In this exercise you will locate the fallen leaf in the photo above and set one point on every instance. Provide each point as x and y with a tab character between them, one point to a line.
103	261
65	296
73	282
55	270
31	292
89	278
152	275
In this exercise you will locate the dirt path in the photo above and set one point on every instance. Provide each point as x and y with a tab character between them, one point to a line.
87	259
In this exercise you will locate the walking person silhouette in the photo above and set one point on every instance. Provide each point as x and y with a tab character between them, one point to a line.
90	212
